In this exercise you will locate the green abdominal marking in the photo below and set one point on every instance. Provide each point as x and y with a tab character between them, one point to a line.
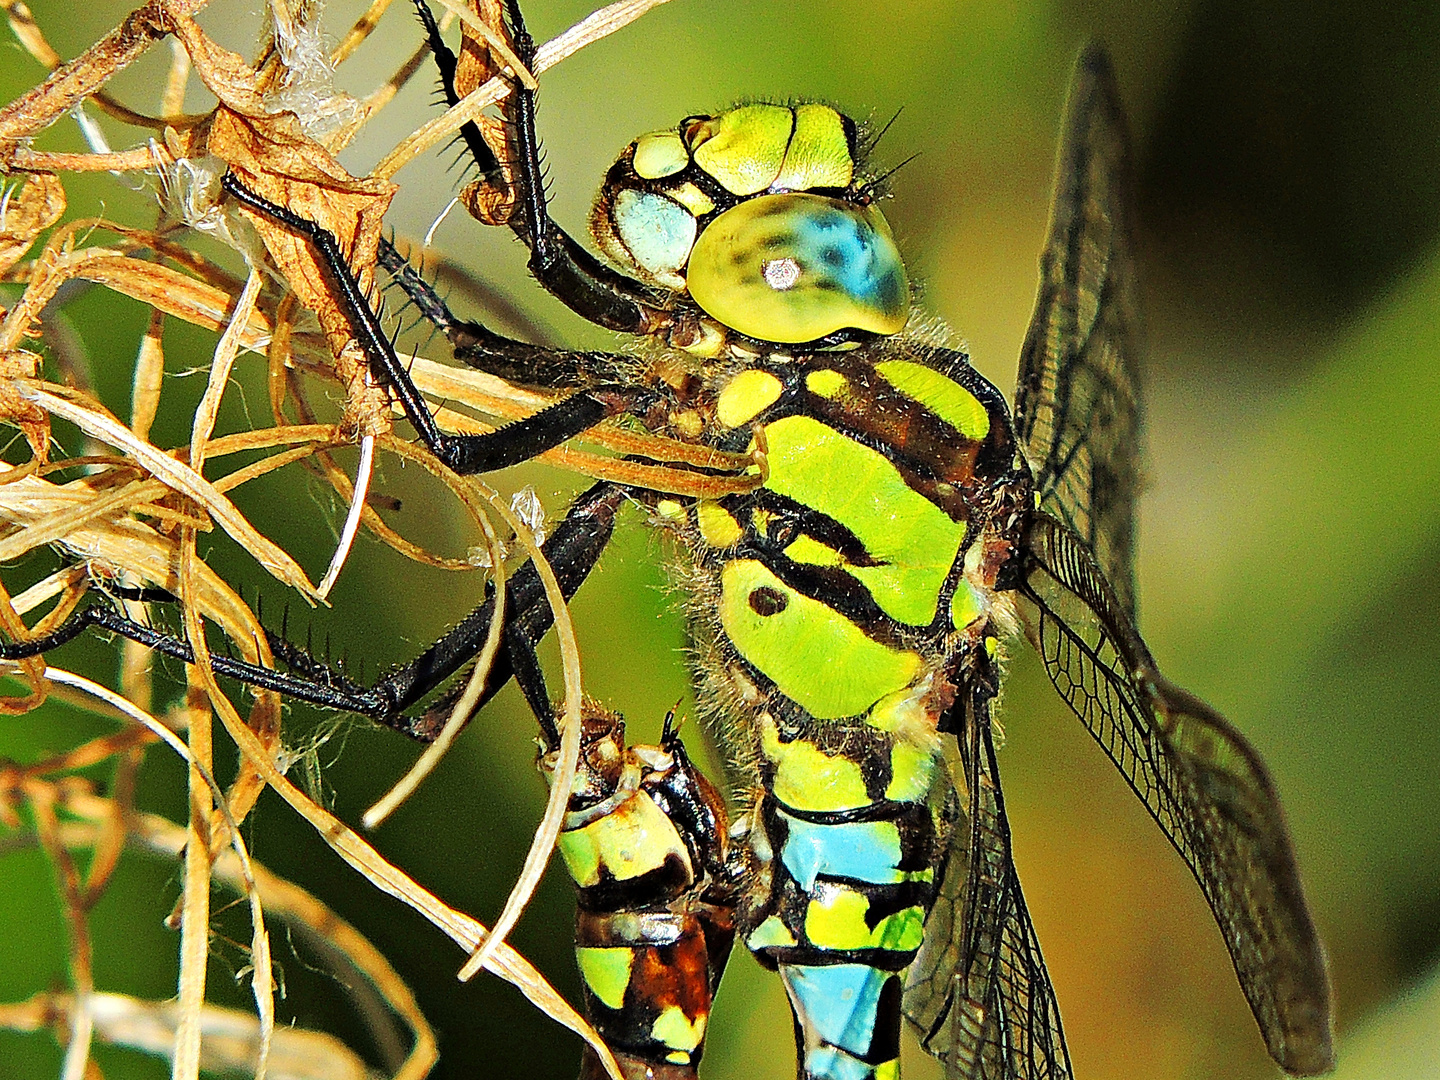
840	919
606	972
850	891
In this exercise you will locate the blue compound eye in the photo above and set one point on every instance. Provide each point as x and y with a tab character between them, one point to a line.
796	267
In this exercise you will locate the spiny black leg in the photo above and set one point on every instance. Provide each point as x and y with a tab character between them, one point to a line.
482	348
67	631
465	454
528	438
420	292
145	594
525	664
589	288
364	325
582	282
485	159
572	552
335	693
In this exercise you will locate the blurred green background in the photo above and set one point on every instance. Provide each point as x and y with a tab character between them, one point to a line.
1289	177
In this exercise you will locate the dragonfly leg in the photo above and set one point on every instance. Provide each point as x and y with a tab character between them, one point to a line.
465	454
563	266
572	552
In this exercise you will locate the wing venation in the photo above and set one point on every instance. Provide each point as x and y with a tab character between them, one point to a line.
978	992
1077	402
1202	782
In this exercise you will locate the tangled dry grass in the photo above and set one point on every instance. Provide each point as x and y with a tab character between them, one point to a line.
128	511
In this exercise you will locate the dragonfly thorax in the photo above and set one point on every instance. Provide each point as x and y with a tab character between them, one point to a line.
757	214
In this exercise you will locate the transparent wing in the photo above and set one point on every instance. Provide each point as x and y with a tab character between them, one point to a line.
1077	410
1203	783
978	992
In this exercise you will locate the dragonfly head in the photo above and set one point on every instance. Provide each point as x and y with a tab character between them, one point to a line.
757	213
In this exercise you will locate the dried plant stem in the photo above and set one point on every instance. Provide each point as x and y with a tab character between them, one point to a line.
72	83
180	477
82	978
260	948
359	32
548	831
195	894
497	44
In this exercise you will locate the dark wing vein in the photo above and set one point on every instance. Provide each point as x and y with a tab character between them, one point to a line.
1203	783
978	992
1077	410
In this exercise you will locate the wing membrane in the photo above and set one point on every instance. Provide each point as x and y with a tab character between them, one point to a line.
1077	408
978	991
1202	782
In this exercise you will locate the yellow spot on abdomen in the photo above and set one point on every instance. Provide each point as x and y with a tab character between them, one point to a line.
838	921
808	779
674	1029
632	840
606	972
912	771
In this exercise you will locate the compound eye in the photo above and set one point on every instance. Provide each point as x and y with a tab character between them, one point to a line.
795	267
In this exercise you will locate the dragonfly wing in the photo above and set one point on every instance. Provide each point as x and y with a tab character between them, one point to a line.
978	991
1077	411
1202	782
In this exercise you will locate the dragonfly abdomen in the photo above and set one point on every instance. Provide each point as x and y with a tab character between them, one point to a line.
850	890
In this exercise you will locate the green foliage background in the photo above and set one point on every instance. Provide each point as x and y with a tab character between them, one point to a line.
1288	162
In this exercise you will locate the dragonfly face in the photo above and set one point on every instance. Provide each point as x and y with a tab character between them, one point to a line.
758	218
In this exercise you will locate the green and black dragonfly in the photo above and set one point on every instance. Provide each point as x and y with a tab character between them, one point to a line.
849	610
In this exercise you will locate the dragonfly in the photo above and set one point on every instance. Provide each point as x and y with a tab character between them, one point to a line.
850	604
